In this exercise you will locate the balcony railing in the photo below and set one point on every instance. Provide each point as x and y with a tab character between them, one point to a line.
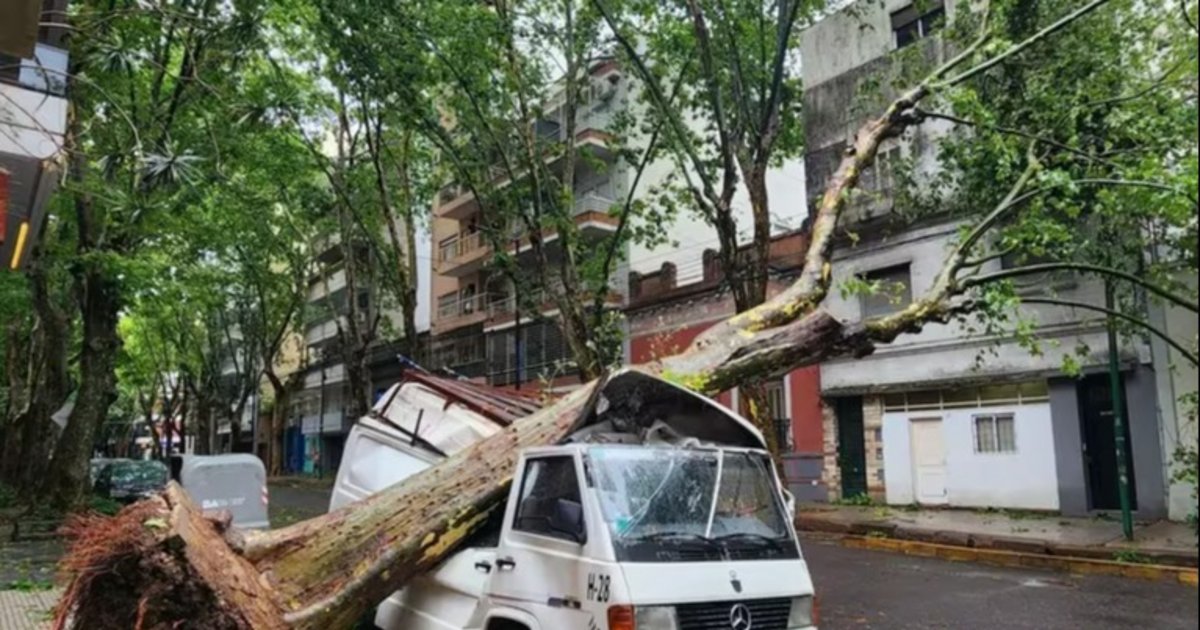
593	202
463	244
46	72
464	306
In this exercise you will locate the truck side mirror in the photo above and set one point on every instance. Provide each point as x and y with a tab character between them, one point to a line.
567	518
789	501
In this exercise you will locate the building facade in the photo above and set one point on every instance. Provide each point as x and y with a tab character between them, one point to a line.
478	331
33	121
950	416
318	416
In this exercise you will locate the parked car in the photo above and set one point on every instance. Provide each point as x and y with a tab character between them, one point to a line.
131	480
97	465
236	482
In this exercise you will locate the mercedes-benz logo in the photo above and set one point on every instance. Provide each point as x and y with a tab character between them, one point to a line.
739	617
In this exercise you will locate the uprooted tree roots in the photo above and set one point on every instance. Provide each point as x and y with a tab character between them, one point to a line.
132	570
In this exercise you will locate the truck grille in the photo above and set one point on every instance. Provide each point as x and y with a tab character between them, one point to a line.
765	614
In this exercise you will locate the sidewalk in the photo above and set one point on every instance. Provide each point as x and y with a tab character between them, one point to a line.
26	610
1161	542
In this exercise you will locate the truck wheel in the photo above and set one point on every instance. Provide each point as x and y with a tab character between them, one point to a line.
506	624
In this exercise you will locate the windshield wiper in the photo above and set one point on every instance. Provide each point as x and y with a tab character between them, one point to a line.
751	537
675	537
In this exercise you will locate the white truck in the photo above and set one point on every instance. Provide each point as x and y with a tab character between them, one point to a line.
661	511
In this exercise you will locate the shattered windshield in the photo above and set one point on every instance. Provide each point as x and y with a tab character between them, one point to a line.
670	504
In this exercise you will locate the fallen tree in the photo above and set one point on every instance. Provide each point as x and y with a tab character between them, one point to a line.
327	571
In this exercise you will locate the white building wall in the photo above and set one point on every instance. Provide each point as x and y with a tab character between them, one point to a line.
859	33
690	234
942	352
1026	479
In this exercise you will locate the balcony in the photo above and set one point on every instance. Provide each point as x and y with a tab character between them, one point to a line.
320	333
456	312
45	73
462	254
456	202
319	289
502	311
592	212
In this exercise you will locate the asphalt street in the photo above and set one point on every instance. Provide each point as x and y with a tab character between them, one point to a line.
863	589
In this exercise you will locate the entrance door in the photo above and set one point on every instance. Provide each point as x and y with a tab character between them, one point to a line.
929	460
1100	444
852	451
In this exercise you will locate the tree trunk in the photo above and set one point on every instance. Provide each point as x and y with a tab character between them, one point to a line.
17	348
51	392
273	435
204	424
67	478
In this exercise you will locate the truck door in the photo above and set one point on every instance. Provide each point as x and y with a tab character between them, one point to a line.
538	566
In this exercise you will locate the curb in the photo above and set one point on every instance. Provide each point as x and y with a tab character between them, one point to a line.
884	529
998	557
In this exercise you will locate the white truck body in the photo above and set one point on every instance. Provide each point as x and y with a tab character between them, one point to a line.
620	528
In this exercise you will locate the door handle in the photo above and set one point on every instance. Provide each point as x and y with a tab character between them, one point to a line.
484	566
505	564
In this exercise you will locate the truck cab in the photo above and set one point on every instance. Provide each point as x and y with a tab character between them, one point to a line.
652	530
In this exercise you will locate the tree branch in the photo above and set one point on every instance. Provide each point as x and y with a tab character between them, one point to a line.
1062	23
997	276
1190	356
1015	132
647	156
678	130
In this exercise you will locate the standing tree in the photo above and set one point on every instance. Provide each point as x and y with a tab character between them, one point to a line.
499	91
151	87
741	97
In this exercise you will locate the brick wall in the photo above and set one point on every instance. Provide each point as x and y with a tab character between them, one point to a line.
872	442
832	474
872	439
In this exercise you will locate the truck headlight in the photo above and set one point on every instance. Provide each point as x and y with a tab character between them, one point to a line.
802	612
656	618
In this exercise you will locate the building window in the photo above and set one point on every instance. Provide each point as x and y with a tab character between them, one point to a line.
917	21
884	170
892	291
966	397
543	353
547	481
777	400
780	415
995	433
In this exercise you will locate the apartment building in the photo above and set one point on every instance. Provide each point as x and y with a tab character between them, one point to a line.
33	121
478	330
319	419
944	417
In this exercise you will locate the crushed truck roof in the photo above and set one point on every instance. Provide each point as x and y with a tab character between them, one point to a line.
499	405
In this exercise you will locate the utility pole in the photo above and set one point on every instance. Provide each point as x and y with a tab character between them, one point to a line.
517	358
1118	405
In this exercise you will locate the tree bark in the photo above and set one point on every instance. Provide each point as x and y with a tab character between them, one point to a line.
51	337
274	433
66	481
18	348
